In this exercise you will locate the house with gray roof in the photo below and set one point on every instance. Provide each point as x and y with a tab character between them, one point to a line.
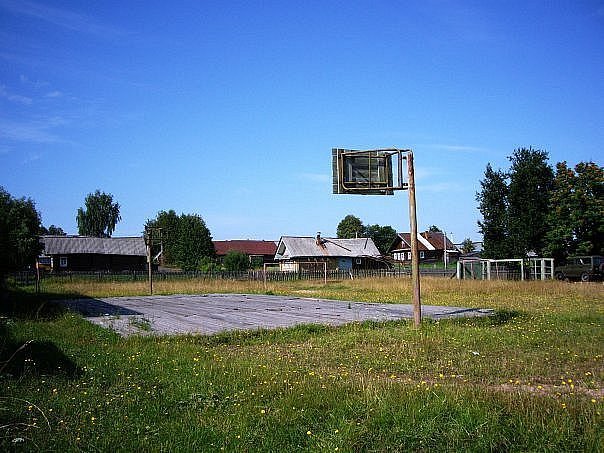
296	253
84	253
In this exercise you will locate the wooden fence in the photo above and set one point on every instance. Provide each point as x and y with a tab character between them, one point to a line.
26	278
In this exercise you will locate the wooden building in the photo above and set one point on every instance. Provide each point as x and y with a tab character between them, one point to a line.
430	245
296	253
83	253
259	252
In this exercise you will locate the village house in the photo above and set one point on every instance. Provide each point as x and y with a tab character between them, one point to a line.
296	253
259	252
430	245
84	253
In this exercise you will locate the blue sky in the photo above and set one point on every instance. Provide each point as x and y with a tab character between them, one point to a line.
230	109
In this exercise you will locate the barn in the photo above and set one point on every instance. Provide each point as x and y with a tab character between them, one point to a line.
84	253
295	253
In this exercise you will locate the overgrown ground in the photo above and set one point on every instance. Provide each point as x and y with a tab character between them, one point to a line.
527	379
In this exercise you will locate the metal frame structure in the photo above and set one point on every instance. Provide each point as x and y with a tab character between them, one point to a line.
539	268
366	182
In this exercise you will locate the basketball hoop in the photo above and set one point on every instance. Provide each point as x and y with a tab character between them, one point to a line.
368	172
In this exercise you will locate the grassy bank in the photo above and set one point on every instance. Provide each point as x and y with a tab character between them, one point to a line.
528	379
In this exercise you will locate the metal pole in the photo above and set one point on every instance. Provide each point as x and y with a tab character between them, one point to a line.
415	285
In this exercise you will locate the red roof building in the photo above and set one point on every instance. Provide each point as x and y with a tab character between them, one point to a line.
259	251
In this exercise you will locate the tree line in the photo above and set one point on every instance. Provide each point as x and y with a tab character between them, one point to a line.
531	208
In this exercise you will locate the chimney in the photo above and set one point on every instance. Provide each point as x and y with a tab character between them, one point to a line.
319	241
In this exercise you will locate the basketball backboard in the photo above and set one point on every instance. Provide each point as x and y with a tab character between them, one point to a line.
368	172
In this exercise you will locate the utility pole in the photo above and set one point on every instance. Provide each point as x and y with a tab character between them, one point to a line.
445	248
415	285
152	236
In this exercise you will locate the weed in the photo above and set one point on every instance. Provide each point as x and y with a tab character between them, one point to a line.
527	379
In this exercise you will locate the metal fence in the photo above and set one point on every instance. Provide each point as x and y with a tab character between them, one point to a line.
506	269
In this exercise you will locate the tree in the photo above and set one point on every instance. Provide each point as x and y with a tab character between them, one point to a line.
575	221
492	204
186	240
382	236
560	237
19	228
434	229
193	242
350	227
52	230
167	221
531	183
589	208
99	217
235	261
467	246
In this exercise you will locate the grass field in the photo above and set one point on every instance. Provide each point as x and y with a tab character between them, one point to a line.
527	379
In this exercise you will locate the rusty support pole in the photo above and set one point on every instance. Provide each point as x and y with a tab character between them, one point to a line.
415	285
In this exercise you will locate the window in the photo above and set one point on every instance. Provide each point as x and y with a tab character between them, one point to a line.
63	261
421	255
409	255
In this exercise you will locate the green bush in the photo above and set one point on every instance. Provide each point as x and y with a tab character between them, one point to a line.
236	261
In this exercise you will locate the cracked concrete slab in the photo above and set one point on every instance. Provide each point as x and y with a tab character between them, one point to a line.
213	313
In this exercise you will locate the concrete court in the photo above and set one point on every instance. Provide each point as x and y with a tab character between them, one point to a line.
212	313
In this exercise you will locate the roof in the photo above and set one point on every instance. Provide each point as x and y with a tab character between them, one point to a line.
73	245
406	243
249	247
299	247
425	241
436	238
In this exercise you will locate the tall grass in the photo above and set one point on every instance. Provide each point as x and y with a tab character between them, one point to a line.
527	379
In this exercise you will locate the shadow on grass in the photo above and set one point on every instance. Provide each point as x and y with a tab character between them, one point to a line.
33	358
17	303
24	357
498	318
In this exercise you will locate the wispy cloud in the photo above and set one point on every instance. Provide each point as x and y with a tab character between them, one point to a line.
32	83
441	187
60	17
35	131
315	177
16	98
456	148
53	94
31	158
